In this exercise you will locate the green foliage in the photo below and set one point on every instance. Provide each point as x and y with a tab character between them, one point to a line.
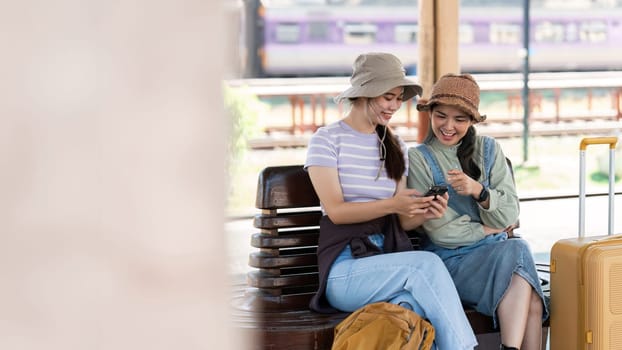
601	174
526	173
242	110
601	177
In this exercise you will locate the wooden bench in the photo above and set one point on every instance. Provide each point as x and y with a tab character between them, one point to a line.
273	307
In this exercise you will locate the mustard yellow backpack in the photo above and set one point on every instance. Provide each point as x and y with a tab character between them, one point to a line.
383	326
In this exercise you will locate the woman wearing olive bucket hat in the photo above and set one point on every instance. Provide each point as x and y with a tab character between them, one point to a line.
358	169
493	274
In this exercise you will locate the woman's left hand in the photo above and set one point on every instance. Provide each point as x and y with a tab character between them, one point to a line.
437	207
463	184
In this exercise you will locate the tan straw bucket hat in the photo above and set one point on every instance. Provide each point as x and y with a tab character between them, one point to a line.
374	74
457	90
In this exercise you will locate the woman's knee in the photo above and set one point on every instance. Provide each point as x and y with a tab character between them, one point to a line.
433	261
420	258
516	249
535	305
517	244
426	265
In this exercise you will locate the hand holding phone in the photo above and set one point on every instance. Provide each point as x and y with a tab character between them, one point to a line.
436	190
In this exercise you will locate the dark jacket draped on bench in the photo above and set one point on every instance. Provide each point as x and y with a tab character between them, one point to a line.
334	238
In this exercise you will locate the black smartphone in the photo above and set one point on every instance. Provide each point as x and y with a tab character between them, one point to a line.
436	190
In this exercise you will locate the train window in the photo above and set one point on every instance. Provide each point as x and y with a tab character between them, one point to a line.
287	33
412	3
549	32
359	33
593	31
504	33
466	34
279	3
572	32
291	3
391	2
318	31
406	33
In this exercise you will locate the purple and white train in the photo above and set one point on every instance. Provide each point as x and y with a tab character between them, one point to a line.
322	37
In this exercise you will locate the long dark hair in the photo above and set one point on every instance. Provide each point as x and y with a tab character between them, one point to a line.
394	159
466	150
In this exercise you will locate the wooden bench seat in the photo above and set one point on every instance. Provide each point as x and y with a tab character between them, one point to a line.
273	305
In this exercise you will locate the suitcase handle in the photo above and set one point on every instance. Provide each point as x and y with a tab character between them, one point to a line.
611	141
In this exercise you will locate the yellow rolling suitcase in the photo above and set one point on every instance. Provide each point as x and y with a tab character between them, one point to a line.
586	278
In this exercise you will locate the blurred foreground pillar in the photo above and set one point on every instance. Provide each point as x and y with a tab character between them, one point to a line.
438	48
112	161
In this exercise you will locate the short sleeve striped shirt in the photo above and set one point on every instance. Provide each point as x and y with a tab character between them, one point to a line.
356	157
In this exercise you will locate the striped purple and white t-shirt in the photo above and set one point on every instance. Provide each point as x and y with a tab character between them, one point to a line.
357	159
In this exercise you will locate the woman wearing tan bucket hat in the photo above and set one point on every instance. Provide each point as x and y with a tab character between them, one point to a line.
493	274
358	168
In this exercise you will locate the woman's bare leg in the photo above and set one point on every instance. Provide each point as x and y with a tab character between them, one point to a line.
533	331
513	312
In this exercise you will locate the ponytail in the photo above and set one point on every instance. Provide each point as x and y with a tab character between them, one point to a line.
465	154
394	162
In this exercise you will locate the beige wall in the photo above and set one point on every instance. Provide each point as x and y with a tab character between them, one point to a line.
111	176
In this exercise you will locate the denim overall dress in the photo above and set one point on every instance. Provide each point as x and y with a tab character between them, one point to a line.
483	270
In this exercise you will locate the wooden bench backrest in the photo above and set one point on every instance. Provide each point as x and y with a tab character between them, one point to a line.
286	263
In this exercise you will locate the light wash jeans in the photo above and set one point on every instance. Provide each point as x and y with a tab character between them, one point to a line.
415	279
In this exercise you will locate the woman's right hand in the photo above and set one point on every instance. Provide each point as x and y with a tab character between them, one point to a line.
409	202
414	210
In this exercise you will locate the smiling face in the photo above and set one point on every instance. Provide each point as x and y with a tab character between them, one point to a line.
449	124
382	108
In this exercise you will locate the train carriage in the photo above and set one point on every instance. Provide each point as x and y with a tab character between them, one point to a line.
322	37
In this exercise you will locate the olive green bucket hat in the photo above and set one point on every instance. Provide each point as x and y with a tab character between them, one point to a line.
374	74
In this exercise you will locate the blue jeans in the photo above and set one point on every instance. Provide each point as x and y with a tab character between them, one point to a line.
415	279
